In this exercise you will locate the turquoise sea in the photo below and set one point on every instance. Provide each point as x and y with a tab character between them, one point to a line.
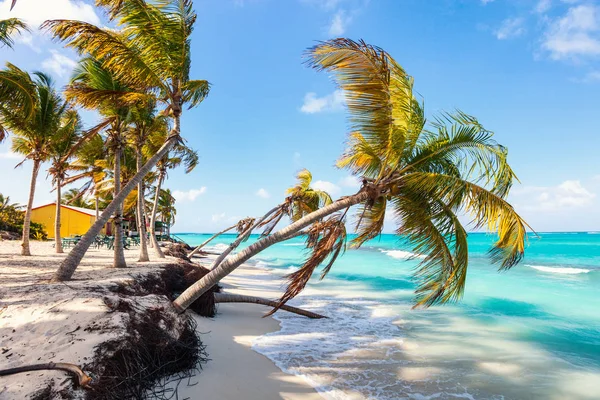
530	333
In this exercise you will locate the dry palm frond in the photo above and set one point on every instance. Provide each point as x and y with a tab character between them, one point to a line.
8	27
326	240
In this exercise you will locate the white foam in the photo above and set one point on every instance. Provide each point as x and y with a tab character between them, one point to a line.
560	270
218	247
402	255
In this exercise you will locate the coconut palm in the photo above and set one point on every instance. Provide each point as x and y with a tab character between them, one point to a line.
62	144
32	136
426	174
94	87
152	51
144	123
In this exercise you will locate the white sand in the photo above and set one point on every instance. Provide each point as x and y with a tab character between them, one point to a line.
42	322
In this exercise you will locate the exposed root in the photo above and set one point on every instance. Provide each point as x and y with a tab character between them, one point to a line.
237	298
82	379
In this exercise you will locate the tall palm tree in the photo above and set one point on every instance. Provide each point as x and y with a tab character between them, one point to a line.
151	52
32	135
94	87
425	174
144	123
62	145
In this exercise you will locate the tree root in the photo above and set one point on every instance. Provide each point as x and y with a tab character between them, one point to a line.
238	298
83	379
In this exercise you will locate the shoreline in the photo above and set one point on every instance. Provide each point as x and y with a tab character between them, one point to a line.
41	322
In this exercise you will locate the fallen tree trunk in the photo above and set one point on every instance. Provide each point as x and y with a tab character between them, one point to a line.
238	298
83	379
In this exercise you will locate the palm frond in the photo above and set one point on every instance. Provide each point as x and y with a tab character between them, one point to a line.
9	27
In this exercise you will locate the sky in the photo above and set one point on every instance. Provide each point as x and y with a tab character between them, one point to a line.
528	70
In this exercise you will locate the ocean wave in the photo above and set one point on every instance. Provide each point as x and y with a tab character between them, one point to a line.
560	270
217	247
402	255
370	350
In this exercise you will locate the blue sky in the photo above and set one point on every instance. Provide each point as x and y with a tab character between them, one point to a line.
529	70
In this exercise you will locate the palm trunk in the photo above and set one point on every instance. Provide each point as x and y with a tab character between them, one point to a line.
229	265
57	239
119	253
241	237
97	209
27	220
237	298
157	249
140	212
71	262
209	240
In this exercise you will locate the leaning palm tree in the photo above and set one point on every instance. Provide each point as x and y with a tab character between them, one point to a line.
62	144
179	155
427	175
32	135
151	52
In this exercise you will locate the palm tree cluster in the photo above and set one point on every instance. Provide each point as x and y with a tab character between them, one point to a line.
137	79
427	174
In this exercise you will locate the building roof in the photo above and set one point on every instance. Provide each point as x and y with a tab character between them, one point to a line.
78	209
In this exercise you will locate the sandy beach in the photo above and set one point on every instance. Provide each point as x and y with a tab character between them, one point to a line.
42	322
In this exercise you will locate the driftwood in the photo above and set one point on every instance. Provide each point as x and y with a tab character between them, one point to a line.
83	379
238	298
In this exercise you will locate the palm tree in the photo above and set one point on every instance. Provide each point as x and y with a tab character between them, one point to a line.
166	209
5	204
33	135
94	87
425	174
151	52
62	144
144	123
14	85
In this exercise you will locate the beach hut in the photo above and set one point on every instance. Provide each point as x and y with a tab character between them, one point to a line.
73	220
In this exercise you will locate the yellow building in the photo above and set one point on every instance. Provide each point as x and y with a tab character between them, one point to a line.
73	220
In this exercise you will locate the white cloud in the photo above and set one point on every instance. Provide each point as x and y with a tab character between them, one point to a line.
188	195
350	181
34	12
590	77
328	187
59	64
331	102
9	155
218	217
574	35
339	23
263	193
510	28
568	195
542	6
